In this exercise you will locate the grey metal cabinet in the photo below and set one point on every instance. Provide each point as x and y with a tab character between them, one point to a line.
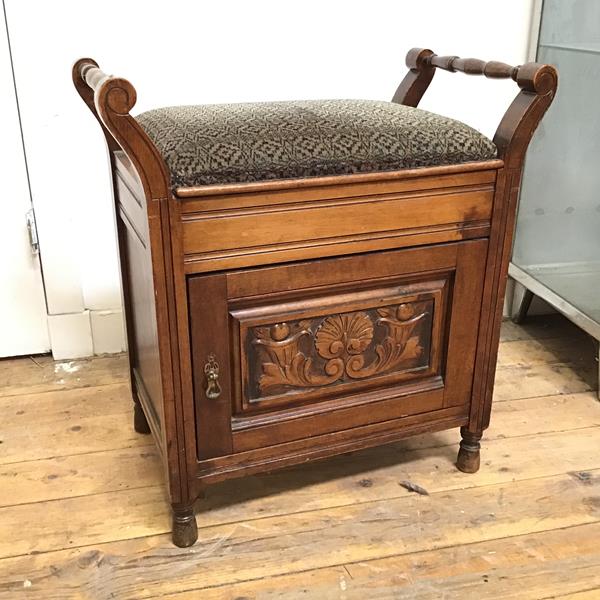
556	253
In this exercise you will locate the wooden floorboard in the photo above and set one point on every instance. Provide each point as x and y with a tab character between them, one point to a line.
342	482
540	328
521	567
83	512
514	382
591	594
67	422
264	548
42	374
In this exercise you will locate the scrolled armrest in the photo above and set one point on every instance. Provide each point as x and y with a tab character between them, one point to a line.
111	99
115	93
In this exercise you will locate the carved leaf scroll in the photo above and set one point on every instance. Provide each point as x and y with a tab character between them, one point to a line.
346	346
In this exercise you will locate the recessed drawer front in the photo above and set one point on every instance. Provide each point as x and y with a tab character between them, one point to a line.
312	348
223	235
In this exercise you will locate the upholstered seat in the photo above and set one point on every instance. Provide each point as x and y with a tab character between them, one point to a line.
229	143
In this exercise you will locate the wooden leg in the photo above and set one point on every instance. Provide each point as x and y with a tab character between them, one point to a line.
524	305
185	529
140	423
468	454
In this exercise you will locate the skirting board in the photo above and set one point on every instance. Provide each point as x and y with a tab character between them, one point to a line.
77	335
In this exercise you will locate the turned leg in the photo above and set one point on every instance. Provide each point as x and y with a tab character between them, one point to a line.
524	305
468	454
185	529
140	423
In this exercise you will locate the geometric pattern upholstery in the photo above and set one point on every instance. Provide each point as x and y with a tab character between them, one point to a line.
232	143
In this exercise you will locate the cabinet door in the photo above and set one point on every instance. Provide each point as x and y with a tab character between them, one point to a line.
312	348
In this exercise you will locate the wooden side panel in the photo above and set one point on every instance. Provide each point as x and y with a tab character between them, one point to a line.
132	207
138	292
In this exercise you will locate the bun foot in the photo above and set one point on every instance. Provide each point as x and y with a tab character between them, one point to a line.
140	423
468	460
185	529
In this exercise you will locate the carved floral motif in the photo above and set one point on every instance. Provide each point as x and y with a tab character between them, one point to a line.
322	351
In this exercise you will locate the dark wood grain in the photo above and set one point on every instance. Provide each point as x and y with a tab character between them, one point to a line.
309	374
232	237
229	274
535	78
209	330
417	80
473	66
134	156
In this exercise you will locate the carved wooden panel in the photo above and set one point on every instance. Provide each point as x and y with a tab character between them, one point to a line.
339	348
313	350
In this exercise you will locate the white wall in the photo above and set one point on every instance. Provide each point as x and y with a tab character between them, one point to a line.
180	52
23	322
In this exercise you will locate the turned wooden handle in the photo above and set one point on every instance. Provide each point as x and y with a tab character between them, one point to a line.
474	66
93	75
530	77
86	71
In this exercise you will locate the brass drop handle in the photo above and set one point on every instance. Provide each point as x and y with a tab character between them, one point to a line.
211	369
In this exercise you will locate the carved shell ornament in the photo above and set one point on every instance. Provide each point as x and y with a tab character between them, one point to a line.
342	341
339	335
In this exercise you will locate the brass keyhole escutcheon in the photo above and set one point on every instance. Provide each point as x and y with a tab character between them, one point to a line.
211	370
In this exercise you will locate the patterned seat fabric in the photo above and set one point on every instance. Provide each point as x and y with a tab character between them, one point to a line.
228	143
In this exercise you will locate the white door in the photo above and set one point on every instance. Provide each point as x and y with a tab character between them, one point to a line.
23	321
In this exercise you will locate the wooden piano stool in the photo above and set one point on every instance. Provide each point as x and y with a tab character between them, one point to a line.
303	279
